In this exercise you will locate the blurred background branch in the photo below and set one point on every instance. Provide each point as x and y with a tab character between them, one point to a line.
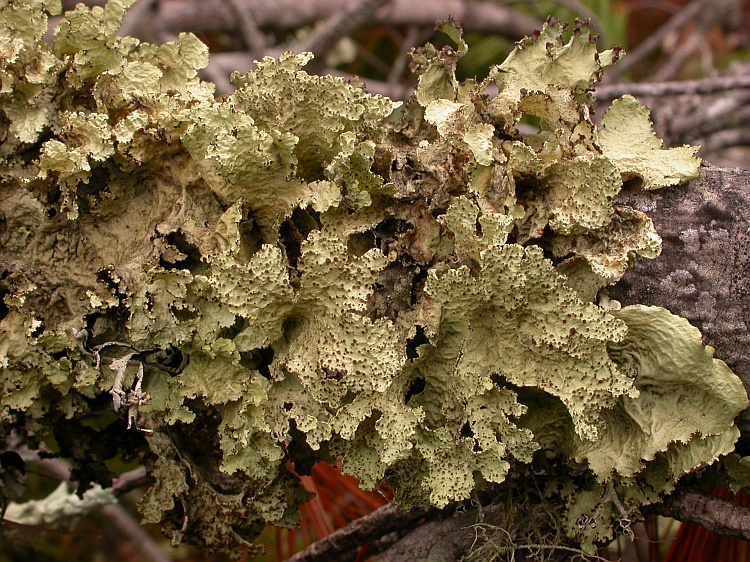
703	44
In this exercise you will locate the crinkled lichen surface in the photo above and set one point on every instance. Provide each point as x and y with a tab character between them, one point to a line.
304	271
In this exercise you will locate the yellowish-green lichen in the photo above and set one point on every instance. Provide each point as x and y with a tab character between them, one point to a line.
301	276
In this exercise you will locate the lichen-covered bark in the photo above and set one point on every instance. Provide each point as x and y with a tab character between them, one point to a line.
703	273
304	272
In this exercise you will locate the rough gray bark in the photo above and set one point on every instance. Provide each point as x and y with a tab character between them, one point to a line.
703	273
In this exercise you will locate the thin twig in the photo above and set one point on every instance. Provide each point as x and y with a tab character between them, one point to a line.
724	113
402	59
377	524
128	530
682	53
672	88
718	11
215	16
251	33
682	17
339	25
56	467
726	139
641	544
128	481
690	505
601	93
708	66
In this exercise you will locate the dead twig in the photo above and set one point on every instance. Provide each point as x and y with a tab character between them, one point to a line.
216	16
682	53
714	13
251	33
130	531
377	524
722	114
128	481
337	26
692	10
690	505
410	40
726	139
672	88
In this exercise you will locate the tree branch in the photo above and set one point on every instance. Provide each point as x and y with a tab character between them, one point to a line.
128	529
139	18
688	13
338	25
673	88
719	113
441	539
214	16
251	33
132	480
377	524
703	273
715	12
726	139
723	517
410	40
609	92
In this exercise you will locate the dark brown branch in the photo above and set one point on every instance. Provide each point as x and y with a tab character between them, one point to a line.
448	539
377	524
713	514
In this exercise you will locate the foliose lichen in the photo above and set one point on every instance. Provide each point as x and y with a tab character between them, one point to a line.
303	275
